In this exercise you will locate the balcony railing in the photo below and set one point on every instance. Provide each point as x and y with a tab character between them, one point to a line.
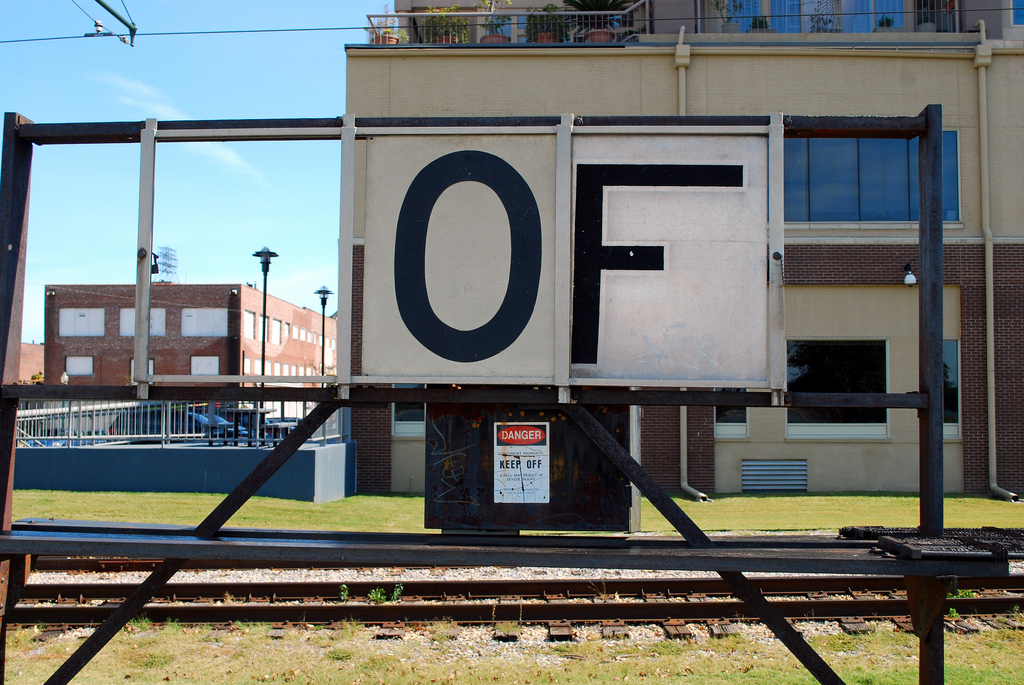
505	27
718	17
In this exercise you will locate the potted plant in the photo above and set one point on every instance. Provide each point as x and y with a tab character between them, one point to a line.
546	26
925	22
728	10
886	24
598	29
494	24
443	25
385	31
822	21
760	24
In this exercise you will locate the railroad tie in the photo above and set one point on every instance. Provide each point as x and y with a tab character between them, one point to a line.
614	629
560	631
506	631
721	627
676	629
854	625
390	630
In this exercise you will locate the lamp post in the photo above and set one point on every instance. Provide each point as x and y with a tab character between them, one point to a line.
323	292
265	256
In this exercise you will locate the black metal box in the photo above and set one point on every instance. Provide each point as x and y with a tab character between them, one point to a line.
504	467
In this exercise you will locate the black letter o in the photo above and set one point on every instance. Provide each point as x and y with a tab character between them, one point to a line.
410	256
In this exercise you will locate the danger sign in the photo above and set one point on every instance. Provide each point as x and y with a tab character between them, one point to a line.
522	463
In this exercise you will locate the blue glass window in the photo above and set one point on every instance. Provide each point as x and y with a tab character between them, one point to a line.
848	179
1018	12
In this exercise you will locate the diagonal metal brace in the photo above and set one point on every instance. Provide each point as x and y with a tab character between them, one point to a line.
741	586
210	525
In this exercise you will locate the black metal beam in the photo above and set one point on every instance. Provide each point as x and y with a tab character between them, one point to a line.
210	525
742	587
930	369
854	127
377	395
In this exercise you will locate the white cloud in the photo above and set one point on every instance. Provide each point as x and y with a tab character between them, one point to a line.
152	102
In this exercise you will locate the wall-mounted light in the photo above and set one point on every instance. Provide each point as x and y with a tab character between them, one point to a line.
909	279
234	291
155	268
64	378
51	293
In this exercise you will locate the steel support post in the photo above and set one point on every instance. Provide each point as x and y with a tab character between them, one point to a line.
932	669
741	586
15	169
210	525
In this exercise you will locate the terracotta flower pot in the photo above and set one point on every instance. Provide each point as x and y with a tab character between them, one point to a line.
600	36
493	38
385	39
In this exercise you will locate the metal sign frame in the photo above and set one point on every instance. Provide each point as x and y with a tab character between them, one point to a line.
209	541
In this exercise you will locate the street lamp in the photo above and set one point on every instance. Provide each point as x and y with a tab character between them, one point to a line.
323	293
265	256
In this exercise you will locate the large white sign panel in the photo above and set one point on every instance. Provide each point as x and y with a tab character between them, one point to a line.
670	267
665	277
459	257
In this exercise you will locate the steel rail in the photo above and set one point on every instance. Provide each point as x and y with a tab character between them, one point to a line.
653	608
490	589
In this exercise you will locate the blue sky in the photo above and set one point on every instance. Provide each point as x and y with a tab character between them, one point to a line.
215	203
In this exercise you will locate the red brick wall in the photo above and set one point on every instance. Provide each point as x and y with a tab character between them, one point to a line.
700	448
371	428
31	361
659	445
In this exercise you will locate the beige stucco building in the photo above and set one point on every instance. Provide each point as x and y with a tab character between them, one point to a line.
845	253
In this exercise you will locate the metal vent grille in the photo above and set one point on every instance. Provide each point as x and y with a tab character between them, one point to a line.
764	475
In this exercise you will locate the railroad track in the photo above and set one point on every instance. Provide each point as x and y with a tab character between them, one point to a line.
491	601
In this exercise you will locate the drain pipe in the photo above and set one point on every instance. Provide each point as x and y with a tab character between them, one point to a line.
683	478
982	60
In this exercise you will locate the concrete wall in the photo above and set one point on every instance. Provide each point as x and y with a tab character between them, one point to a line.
313	474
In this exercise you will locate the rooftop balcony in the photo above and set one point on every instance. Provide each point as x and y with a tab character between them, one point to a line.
894	19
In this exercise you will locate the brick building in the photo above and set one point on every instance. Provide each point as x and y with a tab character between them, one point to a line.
850	224
195	329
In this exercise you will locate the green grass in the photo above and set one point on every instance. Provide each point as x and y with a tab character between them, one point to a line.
320	657
402	513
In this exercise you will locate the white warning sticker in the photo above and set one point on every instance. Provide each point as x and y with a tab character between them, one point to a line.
522	463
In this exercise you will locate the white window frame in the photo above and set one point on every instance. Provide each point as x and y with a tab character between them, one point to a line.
198	363
204	322
843	431
131	368
81	322
157	322
952	431
249	324
77	365
275	331
408	429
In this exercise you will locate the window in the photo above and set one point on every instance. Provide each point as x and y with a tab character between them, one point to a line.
78	366
302	370
287	331
275	331
131	367
409	418
1018	12
951	388
157	322
247	366
205	366
277	368
849	179
838	366
204	322
249	324
80	322
294	370
731	422
303	337
295	332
